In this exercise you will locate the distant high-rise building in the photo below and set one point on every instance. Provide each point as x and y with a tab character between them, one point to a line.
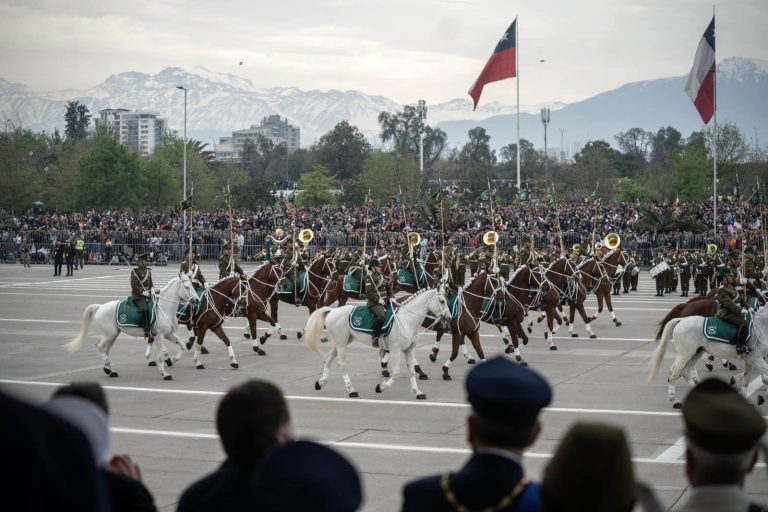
230	149
139	131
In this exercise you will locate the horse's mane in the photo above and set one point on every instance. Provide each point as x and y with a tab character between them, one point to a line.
473	279
556	262
517	271
263	263
591	258
419	293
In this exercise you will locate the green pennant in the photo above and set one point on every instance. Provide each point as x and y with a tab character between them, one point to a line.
397	200
551	200
291	198
485	196
186	204
594	195
757	198
436	196
523	196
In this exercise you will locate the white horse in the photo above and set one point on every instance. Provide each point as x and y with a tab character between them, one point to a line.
178	290
690	344
401	339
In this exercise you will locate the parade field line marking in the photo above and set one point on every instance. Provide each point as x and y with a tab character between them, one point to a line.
376	446
37	283
113	297
566	410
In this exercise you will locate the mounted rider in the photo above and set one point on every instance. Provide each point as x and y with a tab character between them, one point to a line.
192	270
732	307
228	263
487	262
378	292
141	289
293	262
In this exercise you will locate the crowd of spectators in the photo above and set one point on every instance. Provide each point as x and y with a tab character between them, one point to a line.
111	233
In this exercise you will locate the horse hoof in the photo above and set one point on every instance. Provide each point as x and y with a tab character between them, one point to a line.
385	373
107	371
709	367
530	331
553	347
200	367
168	377
260	352
234	365
113	374
677	405
509	349
618	324
152	363
263	340
324	339
446	376
524	364
760	400
471	361
574	335
378	388
421	397
433	358
298	335
204	350
593	336
354	394
732	367
247	335
423	376
189	344
317	386
168	362
732	381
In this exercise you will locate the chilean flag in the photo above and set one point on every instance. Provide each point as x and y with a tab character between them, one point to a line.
701	82
501	65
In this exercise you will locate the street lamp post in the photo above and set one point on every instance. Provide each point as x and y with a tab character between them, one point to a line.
184	195
562	148
422	109
545	122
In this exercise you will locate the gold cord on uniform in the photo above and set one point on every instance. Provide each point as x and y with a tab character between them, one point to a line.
450	497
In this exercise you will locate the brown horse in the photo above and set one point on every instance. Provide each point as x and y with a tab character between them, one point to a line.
559	285
595	276
320	274
223	299
466	323
261	287
429	265
517	300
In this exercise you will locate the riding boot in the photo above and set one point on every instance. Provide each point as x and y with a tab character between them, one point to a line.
145	323
376	333
741	341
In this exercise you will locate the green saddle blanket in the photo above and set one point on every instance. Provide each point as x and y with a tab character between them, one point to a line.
362	320
127	313
453	305
352	284
405	277
287	288
722	331
182	307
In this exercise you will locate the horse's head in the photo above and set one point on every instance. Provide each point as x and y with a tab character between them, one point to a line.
438	306
269	274
186	291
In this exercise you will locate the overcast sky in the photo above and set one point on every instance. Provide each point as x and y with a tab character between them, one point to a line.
403	49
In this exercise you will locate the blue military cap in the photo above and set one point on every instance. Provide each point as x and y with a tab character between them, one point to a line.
304	475
505	392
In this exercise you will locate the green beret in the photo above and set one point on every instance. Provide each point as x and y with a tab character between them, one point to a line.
725	271
373	262
144	256
605	484
719	420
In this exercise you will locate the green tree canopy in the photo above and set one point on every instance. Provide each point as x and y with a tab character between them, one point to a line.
316	188
109	176
77	119
343	151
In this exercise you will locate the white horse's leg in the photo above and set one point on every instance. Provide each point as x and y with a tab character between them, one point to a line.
327	360
689	371
182	347
396	353
103	346
341	350
675	372
411	360
467	354
160	358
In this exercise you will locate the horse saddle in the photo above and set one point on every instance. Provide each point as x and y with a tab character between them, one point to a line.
353	284
127	314
182	311
288	286
490	309
724	332
405	277
362	320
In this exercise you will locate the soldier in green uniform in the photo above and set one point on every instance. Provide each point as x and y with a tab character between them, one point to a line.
732	307
660	277
290	266
141	289
378	292
626	278
453	264
25	253
225	267
487	263
685	272
192	270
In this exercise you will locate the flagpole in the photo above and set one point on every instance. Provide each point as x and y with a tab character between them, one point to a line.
442	226
517	81
714	136
493	218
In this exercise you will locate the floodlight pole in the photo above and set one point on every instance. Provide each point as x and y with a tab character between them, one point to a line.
545	122
184	194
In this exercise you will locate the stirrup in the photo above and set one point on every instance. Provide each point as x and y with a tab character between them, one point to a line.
375	342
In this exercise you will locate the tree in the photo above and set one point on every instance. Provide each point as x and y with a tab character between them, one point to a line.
634	141
629	190
692	175
343	150
404	130
593	165
109	176
77	119
22	154
385	173
316	188
530	159
731	151
159	188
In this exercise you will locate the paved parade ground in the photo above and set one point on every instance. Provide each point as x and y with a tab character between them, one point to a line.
168	426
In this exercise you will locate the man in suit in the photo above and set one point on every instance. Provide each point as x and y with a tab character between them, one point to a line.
722	434
506	400
252	419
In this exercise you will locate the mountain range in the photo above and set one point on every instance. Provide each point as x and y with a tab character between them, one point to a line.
219	103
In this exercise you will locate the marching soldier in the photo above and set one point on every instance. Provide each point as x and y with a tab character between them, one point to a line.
703	271
626	277
25	253
378	292
635	274
660	277
472	259
141	289
685	273
732	308
225	267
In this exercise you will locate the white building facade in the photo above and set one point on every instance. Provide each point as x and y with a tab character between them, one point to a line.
139	131
279	131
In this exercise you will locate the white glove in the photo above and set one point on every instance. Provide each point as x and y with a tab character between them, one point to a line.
157	291
383	301
207	286
743	311
743	280
145	294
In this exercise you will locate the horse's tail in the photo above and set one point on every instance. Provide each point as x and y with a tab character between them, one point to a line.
77	343
314	328
658	355
674	313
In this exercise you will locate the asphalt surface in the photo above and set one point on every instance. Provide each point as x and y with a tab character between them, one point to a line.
168	426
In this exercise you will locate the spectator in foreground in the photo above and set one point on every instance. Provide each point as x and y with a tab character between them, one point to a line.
85	405
304	475
606	483
722	434
506	400
252	419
